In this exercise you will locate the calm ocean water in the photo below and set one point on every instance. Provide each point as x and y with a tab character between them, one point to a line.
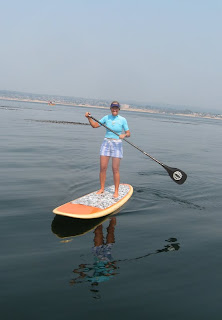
165	258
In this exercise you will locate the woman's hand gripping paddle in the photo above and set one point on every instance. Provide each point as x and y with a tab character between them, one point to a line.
175	174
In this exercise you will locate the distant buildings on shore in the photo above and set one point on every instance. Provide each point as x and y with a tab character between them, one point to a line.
99	103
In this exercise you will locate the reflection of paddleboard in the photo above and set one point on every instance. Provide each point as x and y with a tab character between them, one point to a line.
66	227
95	205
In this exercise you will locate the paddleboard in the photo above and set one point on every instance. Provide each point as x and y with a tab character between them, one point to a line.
94	205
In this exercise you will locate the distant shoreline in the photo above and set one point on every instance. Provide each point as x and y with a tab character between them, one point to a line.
123	107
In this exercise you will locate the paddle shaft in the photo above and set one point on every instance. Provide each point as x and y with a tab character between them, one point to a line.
175	174
132	144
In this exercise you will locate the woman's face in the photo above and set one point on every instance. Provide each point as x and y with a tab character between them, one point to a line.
114	111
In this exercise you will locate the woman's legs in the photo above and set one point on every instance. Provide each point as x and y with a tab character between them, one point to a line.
116	175
104	161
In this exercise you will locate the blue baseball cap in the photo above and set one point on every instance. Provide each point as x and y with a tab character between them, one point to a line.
115	104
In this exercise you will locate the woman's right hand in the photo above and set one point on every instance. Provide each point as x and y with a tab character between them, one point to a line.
87	114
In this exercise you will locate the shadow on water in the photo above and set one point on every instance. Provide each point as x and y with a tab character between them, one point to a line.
104	267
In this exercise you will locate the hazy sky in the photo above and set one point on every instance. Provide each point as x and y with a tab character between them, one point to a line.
151	51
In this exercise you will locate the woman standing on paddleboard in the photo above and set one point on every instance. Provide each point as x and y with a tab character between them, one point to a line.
112	144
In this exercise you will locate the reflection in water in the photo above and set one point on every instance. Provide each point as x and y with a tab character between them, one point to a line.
104	266
172	245
65	227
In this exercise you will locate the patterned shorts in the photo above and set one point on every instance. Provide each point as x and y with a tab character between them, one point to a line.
112	148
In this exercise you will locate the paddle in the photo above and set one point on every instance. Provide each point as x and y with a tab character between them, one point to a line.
175	174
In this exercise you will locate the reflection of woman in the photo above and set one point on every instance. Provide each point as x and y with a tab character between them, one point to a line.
112	145
103	266
102	251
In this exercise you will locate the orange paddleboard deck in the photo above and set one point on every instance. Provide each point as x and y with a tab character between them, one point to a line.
94	205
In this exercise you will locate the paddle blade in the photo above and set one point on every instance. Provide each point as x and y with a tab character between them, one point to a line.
175	174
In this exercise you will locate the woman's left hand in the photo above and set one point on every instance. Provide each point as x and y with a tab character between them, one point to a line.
122	136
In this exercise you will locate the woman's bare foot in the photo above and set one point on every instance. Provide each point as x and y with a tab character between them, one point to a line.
116	195
100	191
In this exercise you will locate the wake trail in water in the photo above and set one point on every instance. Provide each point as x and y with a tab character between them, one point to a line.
165	195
